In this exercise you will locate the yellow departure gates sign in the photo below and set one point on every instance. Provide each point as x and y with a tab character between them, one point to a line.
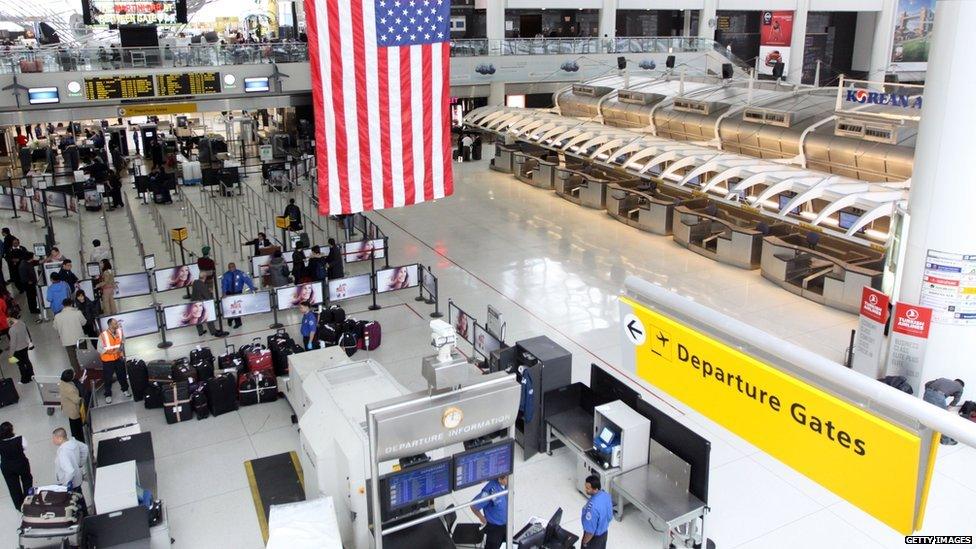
157	109
179	234
861	457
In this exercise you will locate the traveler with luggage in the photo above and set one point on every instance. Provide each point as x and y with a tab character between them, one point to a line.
71	404
205	263
334	260
70	324
14	464
71	459
294	215
28	282
106	285
202	290
310	324
233	283
938	391
298	270
89	310
20	346
278	273
318	266
111	353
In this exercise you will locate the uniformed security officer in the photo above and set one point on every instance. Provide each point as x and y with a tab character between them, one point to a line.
596	515
493	514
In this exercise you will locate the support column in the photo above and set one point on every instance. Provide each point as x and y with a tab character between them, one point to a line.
608	19
941	198
708	13
495	19
798	41
884	28
496	94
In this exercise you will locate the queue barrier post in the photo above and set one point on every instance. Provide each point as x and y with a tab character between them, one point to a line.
274	312
372	278
437	313
164	344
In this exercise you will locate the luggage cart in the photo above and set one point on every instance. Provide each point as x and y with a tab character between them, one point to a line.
90	362
47	386
30	538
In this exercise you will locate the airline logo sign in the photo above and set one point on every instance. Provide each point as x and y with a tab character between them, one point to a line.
863	458
874	305
870	337
865	97
912	320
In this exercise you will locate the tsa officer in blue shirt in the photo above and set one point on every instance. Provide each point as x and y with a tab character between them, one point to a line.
493	514
596	515
233	283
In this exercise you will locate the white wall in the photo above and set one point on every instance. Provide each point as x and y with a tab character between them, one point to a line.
660	4
552	4
863	40
847	5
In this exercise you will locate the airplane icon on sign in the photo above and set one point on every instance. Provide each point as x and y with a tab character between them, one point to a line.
662	349
663	339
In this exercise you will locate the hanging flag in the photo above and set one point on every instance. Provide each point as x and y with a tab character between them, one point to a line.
381	91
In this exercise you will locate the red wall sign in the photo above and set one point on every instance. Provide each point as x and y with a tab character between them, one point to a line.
912	320
874	305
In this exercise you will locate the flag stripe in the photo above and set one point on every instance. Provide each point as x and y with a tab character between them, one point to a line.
417	122
338	106
396	128
436	169
361	111
406	124
427	84
314	59
447	188
384	98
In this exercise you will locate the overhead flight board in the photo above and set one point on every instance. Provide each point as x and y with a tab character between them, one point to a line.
118	87
196	83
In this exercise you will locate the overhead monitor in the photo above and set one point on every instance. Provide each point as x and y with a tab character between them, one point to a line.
257	84
416	484
245	304
363	250
847	220
194	313
118	87
111	13
188	83
293	296
174	278
485	342
131	285
784	199
43	96
483	464
350	287
397	278
134	323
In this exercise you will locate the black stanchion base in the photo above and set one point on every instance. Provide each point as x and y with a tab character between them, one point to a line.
165	345
436	314
420	298
430	301
276	325
375	307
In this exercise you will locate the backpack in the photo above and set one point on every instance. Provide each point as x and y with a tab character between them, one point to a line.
968	410
898	382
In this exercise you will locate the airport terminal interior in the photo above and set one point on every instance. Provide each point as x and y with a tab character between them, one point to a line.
606	273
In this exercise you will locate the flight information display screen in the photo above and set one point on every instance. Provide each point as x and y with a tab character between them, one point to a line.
118	87
482	464
194	83
415	484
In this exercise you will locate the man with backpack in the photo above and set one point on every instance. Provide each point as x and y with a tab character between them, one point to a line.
938	391
317	265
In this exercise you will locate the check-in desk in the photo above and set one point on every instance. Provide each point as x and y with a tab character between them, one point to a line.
645	207
724	233
832	273
504	160
587	186
536	168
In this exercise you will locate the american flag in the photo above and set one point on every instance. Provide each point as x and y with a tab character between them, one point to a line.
381	91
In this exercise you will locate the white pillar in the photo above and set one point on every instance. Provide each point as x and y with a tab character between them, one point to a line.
496	94
495	19
608	19
708	12
884	29
942	194
798	42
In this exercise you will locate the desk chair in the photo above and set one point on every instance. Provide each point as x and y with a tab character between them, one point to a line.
467	534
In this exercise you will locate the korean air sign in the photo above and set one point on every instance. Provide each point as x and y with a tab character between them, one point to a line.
865	97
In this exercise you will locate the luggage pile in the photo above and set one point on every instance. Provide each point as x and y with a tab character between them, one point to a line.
334	328
51	517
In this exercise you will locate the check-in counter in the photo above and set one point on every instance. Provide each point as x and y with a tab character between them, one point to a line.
646	206
831	272
724	233
588	185
536	168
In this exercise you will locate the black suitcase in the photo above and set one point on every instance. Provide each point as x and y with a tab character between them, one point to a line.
160	370
8	391
349	343
338	314
154	395
138	378
328	334
178	391
204	370
222	394
256	388
178	411
199	402
201	354
185	372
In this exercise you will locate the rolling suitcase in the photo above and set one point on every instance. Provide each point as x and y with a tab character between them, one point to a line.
257	388
185	372
231	362
370	334
93	201
349	343
138	378
178	411
199	402
49	509
221	394
177	391
8	392
154	395
201	354
160	370
259	358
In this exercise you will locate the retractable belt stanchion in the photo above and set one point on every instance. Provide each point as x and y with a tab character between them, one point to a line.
372	280
386	250
274	311
164	344
437	313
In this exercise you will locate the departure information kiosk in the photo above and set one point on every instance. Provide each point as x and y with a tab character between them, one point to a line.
416	484
482	464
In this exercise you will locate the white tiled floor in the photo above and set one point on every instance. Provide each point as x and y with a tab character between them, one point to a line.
552	268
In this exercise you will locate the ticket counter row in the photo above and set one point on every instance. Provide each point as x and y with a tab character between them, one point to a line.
806	261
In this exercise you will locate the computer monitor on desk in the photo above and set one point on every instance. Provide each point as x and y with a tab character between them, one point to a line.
533	536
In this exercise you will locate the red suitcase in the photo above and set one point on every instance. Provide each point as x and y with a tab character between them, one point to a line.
370	335
260	360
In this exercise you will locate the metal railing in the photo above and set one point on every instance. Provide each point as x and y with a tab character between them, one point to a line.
60	59
474	47
200	229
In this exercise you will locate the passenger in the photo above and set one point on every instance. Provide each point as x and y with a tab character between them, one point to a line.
67	275
20	346
205	264
294	215
71	460
938	391
106	286
335	260
14	464
298	270
99	252
318	265
89	309
202	290
27	275
70	325
278	272
71	404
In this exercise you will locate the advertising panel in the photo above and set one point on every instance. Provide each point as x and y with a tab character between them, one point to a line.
429	282
869	339
912	35
245	304
866	459
349	287
293	296
174	278
775	36
462	322
909	333
397	278
949	287
134	323
130	285
484	342
189	314
363	250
